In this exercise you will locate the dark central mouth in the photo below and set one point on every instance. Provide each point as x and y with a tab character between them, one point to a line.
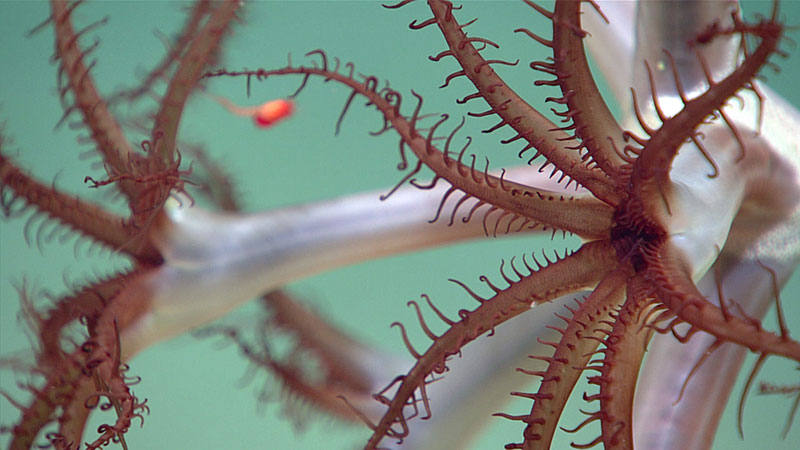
631	237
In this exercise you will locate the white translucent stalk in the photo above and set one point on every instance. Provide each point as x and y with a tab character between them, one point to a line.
763	231
214	262
710	216
747	216
479	381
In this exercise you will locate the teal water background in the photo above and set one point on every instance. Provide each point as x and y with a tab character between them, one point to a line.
194	388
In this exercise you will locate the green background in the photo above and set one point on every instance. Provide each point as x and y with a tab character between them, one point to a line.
195	388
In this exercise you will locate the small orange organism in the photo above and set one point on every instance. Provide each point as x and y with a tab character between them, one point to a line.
264	115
